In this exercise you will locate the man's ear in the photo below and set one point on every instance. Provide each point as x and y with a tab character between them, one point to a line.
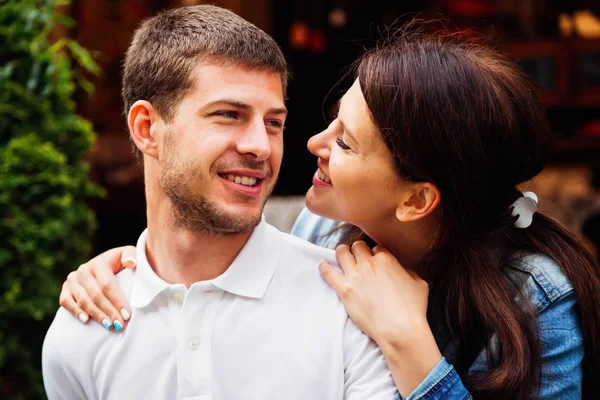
140	119
421	199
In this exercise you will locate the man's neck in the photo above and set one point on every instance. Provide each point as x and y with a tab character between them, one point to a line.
178	255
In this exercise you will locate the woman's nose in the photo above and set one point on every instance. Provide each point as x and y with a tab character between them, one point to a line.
320	144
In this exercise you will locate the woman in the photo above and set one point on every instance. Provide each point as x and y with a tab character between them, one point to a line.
463	292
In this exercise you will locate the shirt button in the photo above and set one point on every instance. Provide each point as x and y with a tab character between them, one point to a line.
193	343
178	298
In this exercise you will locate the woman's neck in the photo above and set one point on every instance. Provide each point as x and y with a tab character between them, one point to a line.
409	242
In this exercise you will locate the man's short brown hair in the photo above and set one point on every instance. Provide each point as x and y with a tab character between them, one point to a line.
165	49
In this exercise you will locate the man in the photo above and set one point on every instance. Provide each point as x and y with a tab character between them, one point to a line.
225	306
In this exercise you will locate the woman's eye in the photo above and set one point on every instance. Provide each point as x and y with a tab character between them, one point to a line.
340	142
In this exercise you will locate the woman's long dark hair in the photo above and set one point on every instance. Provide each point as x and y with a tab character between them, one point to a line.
461	116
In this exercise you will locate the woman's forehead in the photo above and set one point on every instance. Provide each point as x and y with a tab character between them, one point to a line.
354	114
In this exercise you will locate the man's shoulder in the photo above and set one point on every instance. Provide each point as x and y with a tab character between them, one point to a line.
298	269
67	334
70	339
303	250
299	256
69	353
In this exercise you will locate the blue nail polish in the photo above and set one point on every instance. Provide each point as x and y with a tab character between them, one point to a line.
118	326
106	323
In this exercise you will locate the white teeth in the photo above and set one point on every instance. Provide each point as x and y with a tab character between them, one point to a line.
321	175
242	180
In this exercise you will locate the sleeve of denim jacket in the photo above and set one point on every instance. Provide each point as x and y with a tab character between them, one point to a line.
562	356
317	229
442	382
562	350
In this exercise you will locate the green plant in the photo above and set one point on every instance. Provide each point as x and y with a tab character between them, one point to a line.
45	223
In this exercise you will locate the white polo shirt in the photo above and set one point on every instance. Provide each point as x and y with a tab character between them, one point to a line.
269	328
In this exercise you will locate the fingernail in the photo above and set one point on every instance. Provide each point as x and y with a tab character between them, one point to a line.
83	317
131	260
118	326
125	314
106	323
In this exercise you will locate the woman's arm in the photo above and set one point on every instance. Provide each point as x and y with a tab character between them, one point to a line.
562	350
389	304
92	289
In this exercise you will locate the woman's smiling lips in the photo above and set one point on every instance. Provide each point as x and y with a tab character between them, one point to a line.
320	179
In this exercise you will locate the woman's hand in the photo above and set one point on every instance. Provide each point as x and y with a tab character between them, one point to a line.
389	304
381	297
93	291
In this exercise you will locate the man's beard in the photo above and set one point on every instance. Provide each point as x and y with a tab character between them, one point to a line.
196	213
202	216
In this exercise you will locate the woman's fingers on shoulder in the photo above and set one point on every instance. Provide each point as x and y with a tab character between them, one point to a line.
92	299
67	301
344	256
111	290
334	278
77	301
381	252
88	306
93	290
361	250
330	274
114	260
128	257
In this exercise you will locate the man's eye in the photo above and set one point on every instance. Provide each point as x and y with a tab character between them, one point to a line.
227	114
275	123
340	142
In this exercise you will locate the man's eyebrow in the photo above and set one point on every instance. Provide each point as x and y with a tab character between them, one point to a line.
229	102
243	106
282	110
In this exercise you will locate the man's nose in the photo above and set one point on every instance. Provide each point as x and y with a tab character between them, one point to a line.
255	141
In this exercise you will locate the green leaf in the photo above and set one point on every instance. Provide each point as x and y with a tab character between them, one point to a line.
64	20
83	57
86	85
56	47
45	221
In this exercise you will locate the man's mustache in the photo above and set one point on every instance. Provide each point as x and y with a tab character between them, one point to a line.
258	166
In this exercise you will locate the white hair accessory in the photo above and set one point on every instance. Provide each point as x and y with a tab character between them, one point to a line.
524	207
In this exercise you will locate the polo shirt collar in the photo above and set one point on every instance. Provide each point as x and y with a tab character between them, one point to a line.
146	284
251	271
249	275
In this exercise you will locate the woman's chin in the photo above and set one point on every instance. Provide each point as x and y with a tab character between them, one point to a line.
317	205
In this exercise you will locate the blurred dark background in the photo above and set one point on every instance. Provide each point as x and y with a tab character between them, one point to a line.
45	196
556	42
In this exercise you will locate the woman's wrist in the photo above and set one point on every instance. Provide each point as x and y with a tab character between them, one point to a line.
401	337
410	355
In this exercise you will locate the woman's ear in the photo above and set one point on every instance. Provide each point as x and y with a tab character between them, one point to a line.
140	119
421	199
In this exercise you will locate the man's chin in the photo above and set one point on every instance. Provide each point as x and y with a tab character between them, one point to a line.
238	219
249	216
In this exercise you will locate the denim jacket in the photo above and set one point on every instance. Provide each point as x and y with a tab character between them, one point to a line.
552	297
